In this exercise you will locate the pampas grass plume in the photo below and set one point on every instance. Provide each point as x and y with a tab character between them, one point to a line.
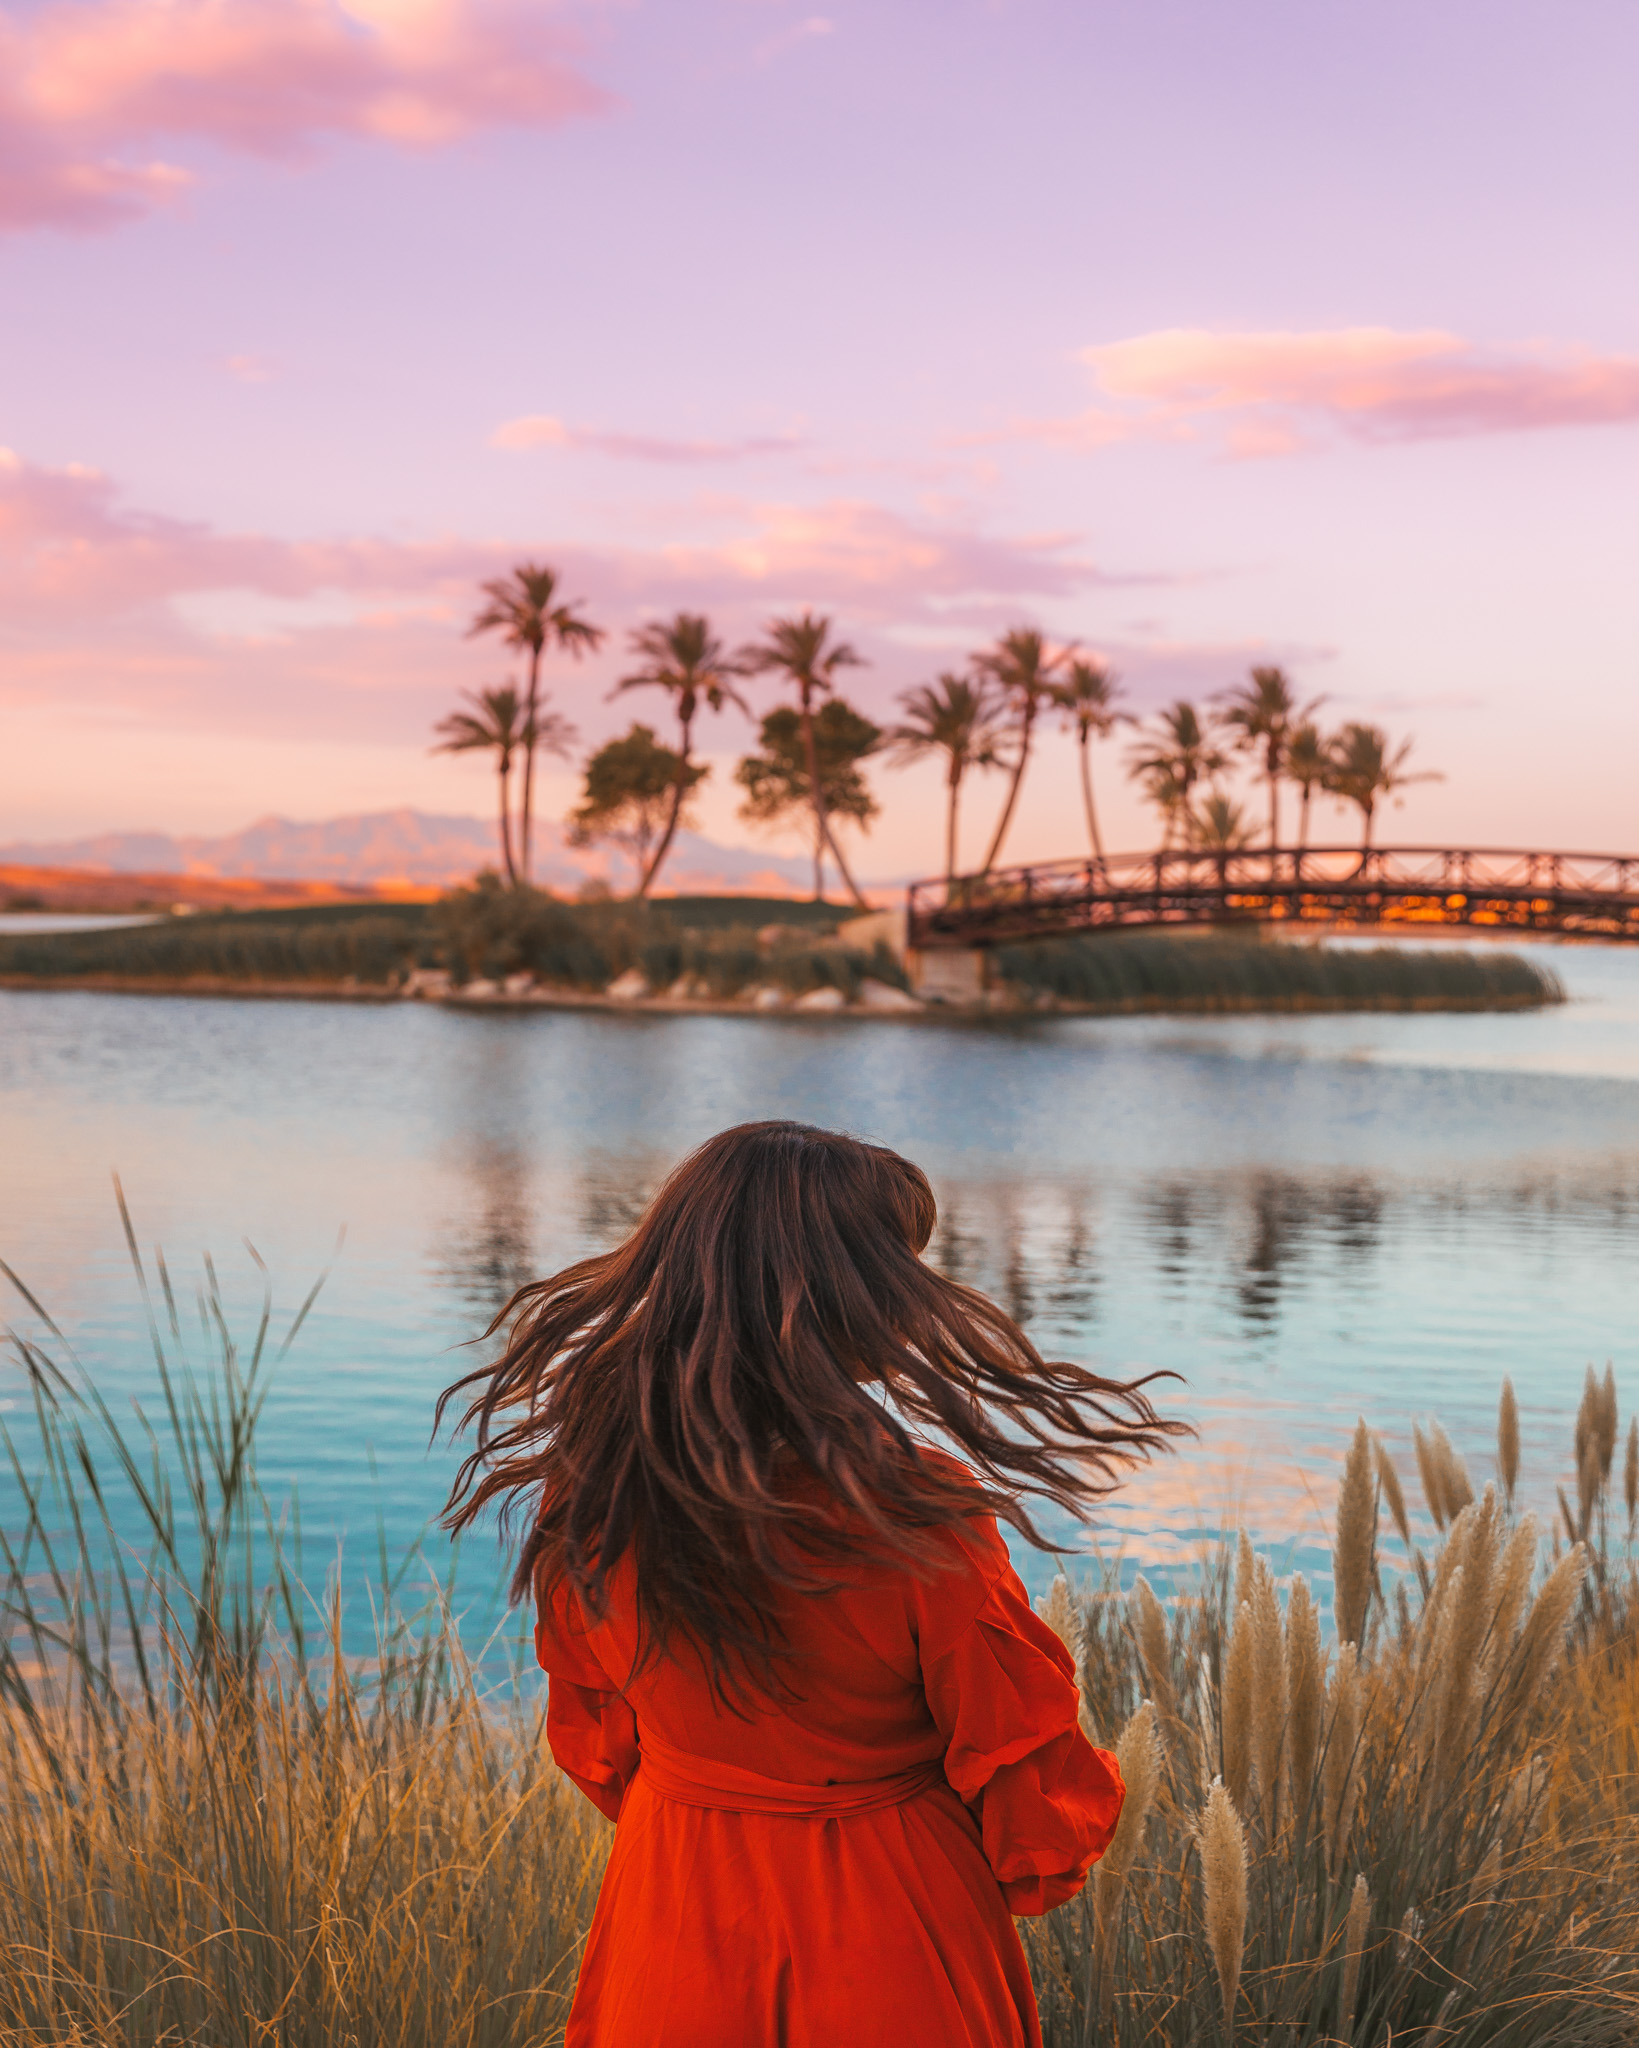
1388	1481
1235	1712
1353	1560
1223	1866
1268	1693
1138	1755
1630	1477
1428	1471
1354	1947
1456	1487
1305	1693
1150	1628
1508	1441
1340	1771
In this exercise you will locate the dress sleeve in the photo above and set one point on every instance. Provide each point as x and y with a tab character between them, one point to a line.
590	1728
1002	1692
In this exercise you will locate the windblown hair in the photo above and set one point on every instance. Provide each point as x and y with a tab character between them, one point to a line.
771	1306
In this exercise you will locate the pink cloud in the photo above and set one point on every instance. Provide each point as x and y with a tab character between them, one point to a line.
1275	393
157	618
84	83
545	430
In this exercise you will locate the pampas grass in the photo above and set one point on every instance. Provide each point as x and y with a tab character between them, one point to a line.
222	1821
1353	1558
1223	1873
1508	1441
1454	1852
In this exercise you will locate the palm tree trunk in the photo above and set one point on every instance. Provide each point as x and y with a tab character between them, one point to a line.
816	796
527	817
1087	797
506	822
954	783
1274	807
1006	817
843	868
678	792
1303	818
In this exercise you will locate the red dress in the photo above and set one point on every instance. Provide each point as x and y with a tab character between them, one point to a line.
839	1870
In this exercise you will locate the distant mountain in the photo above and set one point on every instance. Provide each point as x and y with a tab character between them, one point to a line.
412	847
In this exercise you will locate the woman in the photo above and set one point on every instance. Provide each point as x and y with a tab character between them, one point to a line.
787	1652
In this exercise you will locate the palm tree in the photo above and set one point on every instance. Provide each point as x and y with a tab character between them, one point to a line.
1262	712
1163	789
803	651
1364	769
1173	760
1308	764
687	659
1025	670
1087	697
1219	827
494	724
953	716
521	609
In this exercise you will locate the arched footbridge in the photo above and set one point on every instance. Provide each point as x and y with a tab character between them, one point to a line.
1578	895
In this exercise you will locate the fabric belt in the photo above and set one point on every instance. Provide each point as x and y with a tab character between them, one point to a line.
726	1788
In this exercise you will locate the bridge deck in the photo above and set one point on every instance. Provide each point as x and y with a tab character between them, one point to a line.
1583	895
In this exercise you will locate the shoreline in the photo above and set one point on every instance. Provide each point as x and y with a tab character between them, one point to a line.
210	988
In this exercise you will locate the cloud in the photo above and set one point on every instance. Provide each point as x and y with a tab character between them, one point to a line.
805	31
545	430
148	617
88	87
1267	394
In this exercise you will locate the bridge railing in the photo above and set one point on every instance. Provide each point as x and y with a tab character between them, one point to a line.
1591	892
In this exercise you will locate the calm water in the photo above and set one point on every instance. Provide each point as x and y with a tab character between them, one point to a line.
1308	1219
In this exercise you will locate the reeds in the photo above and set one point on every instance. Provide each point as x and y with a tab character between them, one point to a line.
1135	971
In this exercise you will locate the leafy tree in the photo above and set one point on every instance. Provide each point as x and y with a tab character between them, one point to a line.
1026	671
494	724
1263	713
685	659
1365	769
953	716
1172	760
634	787
522	608
1308	764
777	779
1087	697
803	651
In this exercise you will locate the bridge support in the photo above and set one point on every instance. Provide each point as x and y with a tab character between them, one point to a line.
938	974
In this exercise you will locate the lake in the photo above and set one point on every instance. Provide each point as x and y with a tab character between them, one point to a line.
1308	1219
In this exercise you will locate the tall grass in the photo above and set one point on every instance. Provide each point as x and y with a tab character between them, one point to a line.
1126	971
216	1826
1429	1834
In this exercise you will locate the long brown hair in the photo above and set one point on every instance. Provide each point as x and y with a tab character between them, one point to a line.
772	1305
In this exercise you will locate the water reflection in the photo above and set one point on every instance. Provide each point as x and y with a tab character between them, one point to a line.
1303	1233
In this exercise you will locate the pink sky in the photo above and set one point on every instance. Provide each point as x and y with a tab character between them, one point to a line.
1200	336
